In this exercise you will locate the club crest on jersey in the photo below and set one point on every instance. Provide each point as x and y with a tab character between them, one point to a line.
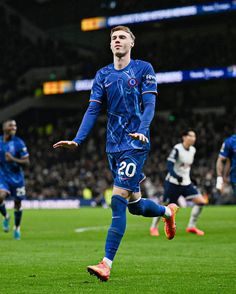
132	82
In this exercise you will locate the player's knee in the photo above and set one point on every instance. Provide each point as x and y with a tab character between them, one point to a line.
116	201
17	205
136	208
202	202
121	192
2	196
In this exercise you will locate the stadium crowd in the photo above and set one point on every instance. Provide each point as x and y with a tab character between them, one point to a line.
64	173
20	54
61	173
198	47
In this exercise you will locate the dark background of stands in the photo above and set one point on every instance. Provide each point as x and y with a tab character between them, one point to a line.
42	40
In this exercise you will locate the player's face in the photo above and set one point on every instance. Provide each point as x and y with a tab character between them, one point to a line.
10	128
190	139
121	43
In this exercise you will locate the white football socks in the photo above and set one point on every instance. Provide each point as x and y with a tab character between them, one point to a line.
108	261
196	210
168	212
155	221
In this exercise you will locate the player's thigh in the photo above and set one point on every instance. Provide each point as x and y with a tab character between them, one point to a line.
4	189
112	161
18	193
128	173
191	192
171	192
136	194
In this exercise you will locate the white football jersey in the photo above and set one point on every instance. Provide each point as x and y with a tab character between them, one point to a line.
182	159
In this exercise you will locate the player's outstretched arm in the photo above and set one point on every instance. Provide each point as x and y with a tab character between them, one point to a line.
87	124
23	160
66	144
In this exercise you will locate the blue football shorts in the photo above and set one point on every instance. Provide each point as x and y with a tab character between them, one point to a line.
172	192
126	168
15	191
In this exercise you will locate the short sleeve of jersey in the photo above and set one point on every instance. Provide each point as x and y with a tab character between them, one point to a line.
225	149
149	80
22	149
97	92
173	155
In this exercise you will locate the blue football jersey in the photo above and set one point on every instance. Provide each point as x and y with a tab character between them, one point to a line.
122	91
12	172
228	150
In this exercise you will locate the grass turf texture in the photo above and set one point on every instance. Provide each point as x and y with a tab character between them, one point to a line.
52	257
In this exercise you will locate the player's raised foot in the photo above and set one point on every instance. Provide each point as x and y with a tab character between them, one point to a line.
170	225
6	224
16	234
195	231
154	232
101	271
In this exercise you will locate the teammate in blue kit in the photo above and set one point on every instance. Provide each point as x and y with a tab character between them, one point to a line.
13	155
226	162
178	182
129	88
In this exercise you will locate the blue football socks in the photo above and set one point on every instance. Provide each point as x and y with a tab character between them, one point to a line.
146	207
18	216
118	226
3	210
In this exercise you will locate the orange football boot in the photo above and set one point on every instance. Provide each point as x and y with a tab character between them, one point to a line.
195	231
154	232
101	271
170	226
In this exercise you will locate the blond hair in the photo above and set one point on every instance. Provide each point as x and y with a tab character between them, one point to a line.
123	28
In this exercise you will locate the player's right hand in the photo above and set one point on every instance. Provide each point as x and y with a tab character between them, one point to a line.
180	179
140	137
220	184
9	157
66	144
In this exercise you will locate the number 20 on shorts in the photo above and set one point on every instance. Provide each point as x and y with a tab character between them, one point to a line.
127	169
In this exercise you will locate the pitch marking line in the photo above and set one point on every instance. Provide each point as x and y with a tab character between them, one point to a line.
99	228
86	229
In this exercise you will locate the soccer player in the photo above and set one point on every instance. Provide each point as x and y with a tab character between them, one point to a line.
226	162
13	156
129	88
178	182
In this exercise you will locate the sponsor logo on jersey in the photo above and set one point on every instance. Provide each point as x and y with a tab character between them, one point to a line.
150	79
108	84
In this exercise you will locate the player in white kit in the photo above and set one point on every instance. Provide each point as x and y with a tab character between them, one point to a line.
178	182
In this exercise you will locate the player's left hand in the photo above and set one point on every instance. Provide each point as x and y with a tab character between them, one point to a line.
140	137
9	157
66	144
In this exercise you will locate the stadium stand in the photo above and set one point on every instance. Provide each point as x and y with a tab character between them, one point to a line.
27	61
62	173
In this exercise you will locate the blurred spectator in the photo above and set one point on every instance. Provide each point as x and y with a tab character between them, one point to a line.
66	174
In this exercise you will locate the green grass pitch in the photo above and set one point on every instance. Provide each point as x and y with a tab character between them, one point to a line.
52	257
